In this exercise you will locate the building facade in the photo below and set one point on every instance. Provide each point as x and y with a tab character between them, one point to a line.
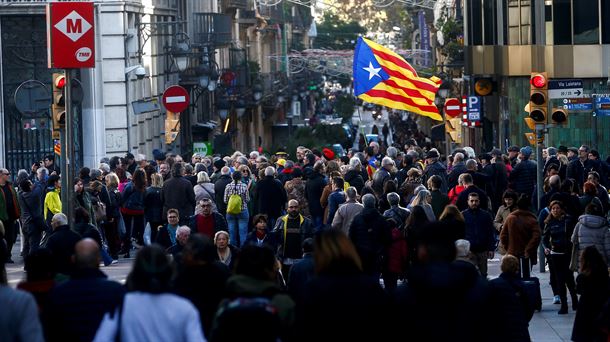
506	40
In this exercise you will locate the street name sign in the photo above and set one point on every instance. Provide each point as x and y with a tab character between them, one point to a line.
70	35
602	106
584	104
176	99
569	88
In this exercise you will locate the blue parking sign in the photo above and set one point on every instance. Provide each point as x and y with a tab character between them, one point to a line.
474	108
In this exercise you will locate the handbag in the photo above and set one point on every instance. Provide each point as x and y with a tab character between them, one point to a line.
574	258
99	210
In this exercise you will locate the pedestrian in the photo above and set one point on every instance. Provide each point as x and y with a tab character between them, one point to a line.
178	193
261	233
153	207
166	236
523	176
61	243
295	189
290	231
271	196
453	217
593	285
237	196
205	189
347	211
32	219
557	245
301	273
77	306
335	199
479	232
9	211
132	210
226	252
207	221
438	200
149	311
113	216
592	229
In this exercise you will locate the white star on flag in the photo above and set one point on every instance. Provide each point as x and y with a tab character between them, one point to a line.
372	71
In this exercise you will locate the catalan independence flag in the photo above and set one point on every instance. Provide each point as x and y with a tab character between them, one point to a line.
383	77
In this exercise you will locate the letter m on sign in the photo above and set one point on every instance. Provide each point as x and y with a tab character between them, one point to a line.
74	25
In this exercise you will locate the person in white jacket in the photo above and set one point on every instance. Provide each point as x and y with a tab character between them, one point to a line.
149	311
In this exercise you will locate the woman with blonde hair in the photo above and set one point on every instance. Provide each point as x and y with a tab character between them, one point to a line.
153	207
329	300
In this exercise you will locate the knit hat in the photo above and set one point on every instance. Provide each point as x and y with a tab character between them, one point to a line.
526	151
158	154
328	153
219	164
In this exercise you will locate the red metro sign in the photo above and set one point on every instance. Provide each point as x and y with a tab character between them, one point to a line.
70	35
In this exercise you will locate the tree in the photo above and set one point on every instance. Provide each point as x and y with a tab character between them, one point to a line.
336	34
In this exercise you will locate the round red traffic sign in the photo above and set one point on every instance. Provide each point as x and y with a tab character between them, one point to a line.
453	107
176	99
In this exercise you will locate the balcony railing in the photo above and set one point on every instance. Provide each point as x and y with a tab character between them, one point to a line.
212	29
241	4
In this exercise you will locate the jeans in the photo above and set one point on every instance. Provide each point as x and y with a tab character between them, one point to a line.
316	223
564	277
238	227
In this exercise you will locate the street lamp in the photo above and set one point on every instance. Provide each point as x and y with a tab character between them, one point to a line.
181	51
257	92
240	107
223	106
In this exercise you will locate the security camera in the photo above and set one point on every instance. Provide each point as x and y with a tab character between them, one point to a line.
140	72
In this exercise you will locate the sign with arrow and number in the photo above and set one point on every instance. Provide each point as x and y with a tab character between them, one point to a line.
565	89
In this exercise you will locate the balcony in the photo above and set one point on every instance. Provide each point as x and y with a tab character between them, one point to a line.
212	29
273	13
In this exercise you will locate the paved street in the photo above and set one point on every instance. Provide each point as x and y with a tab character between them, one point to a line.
546	326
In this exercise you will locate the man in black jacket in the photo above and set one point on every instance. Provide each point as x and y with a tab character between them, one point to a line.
313	192
219	189
270	196
77	306
178	193
479	232
371	235
207	222
61	243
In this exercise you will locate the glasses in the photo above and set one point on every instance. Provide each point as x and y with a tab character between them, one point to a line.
206	205
6	174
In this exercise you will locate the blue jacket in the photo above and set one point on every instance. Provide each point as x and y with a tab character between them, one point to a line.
132	199
479	230
335	199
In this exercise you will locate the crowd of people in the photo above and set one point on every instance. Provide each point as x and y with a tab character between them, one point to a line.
310	246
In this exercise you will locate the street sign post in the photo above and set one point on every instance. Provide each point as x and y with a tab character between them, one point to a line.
474	108
602	106
568	88
176	99
453	107
584	104
71	35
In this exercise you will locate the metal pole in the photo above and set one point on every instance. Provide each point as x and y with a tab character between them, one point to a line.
539	182
594	121
68	146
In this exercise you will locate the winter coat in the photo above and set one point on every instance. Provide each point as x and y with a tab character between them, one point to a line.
371	235
153	207
203	191
379	178
592	230
31	206
520	235
270	197
479	230
52	203
279	232
458	169
501	216
132	199
593	295
61	243
219	192
438	202
313	191
177	193
9	213
440	170
523	177
345	215
354	178
334	200
557	234
507	295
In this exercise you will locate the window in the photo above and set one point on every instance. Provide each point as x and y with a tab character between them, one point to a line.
489	20
526	20
562	22
513	23
586	21
605	22
475	23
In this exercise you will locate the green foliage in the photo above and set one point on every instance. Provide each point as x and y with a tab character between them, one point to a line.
336	34
453	38
319	136
344	106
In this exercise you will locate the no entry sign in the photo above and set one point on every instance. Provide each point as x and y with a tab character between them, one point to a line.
71	35
453	107
176	99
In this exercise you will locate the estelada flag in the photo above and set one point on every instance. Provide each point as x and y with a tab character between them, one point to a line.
383	77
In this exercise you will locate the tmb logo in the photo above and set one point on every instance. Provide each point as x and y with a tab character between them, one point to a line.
83	54
74	26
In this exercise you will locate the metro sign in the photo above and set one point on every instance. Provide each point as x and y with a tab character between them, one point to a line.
70	35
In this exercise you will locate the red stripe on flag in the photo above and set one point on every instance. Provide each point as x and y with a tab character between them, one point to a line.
400	62
410	92
416	83
398	98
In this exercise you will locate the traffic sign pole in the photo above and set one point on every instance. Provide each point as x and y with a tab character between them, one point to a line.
67	151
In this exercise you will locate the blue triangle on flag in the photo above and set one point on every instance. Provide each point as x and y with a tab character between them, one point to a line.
367	71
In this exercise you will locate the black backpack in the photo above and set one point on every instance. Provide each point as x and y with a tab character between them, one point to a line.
246	318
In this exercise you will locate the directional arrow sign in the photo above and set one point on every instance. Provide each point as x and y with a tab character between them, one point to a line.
562	89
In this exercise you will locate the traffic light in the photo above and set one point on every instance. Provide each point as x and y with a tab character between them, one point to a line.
559	116
58	106
538	96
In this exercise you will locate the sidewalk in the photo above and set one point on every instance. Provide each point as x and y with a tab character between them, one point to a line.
546	325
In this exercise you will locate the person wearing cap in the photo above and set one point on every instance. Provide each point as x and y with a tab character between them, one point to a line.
551	159
286	173
523	176
599	166
280	165
217	166
130	162
513	153
435	167
328	154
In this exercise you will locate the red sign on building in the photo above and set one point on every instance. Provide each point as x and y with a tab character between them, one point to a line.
70	35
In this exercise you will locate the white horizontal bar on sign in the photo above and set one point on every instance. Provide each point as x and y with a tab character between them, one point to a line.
453	107
175	99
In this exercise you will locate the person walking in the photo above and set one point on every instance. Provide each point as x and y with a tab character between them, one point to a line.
30	201
237	209
347	211
9	210
479	232
557	246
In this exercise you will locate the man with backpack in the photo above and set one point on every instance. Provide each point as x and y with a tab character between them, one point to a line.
290	231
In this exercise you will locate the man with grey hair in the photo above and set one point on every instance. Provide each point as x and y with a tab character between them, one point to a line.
183	233
42	174
459	167
270	196
382	175
220	185
371	235
105	168
61	243
347	211
9	210
392	152
396	212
